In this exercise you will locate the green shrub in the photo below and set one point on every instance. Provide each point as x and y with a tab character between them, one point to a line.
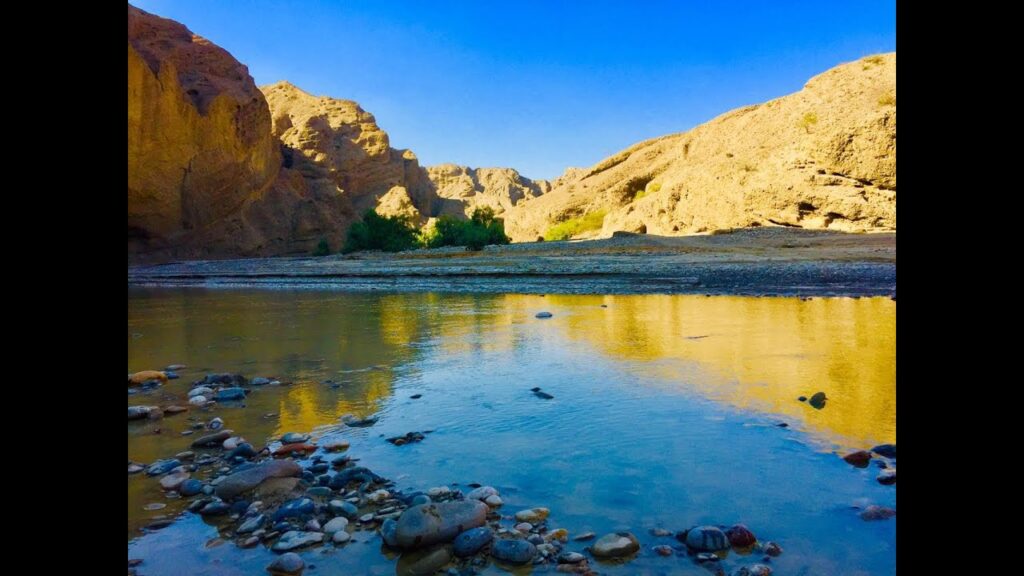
376	232
569	228
480	230
323	248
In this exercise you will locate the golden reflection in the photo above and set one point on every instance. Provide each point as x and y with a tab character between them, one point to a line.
760	353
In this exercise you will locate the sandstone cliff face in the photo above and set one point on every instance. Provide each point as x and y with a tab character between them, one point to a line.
461	189
824	157
205	174
199	140
336	144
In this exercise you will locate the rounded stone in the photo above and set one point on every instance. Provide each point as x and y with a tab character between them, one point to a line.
887	477
860	458
294	438
342	508
335	525
428	524
875	512
294	539
513	551
615	545
740	536
886	450
571	558
707	539
289	564
482	493
543	315
174	480
493	501
471	541
532	515
340	537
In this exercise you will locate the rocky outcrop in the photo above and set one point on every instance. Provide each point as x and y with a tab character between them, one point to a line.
824	157
205	175
461	189
338	147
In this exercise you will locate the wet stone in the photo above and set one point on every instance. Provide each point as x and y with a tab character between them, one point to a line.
294	438
887	450
887	477
289	564
295	509
513	551
740	536
472	541
534	515
162	467
707	539
294	539
875	512
615	545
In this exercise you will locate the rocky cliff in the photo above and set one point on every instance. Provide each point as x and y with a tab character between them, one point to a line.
824	157
205	174
219	168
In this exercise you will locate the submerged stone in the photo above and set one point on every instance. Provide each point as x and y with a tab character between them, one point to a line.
471	541
294	539
246	480
707	539
615	545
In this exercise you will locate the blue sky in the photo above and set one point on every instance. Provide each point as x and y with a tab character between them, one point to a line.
539	86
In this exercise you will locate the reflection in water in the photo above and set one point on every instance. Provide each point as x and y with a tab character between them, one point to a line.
625	378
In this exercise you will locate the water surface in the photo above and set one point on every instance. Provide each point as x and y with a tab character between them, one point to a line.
664	415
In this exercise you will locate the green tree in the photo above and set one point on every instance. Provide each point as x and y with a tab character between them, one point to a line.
387	233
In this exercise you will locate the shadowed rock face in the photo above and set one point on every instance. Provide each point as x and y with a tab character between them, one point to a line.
824	158
199	142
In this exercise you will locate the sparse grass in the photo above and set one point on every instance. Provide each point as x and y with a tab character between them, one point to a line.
876	60
570	228
887	100
747	167
808	120
650	189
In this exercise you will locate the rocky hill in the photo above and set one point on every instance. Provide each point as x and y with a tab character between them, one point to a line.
822	158
218	167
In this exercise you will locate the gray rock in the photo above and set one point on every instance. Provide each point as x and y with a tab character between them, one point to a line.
294	438
428	524
229	394
260	381
215	439
245	480
252	524
296	508
140	412
162	466
289	564
532	515
887	450
342	508
387	532
571	558
707	539
584	537
215	424
887	477
294	539
513	551
543	315
174	480
471	541
200	391
335	524
616	545
340	537
481	493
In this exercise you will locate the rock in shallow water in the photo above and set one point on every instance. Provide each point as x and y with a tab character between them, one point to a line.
174	480
513	551
428	524
246	480
533	515
294	438
230	394
543	315
471	541
887	477
615	545
817	401
740	536
875	512
335	524
423	562
252	524
162	466
887	450
289	564
707	539
210	440
295	509
294	539
860	458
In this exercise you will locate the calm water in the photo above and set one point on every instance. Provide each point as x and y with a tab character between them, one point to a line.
664	412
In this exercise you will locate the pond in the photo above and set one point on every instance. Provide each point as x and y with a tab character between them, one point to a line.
666	413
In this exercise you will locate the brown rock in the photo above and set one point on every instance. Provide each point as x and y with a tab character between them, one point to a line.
241	482
860	458
824	157
292	448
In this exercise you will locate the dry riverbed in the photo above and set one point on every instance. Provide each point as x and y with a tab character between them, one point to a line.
765	261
